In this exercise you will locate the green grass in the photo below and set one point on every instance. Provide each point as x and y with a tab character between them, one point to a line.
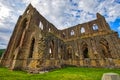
69	73
1	52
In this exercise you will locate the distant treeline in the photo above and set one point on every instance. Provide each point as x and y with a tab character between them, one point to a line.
1	52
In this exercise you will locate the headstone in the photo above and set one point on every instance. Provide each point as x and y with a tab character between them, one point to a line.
110	76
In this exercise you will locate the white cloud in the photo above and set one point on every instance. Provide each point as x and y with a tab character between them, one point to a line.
89	5
4	40
4	11
55	10
62	13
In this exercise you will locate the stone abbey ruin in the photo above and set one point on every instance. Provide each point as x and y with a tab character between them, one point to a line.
36	44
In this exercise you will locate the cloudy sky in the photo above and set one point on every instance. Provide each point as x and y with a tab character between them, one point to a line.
62	13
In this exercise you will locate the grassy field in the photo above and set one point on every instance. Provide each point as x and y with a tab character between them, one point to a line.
68	73
1	52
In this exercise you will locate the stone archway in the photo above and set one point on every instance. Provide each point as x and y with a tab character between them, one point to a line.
104	47
51	49
68	54
85	53
85	50
31	48
21	31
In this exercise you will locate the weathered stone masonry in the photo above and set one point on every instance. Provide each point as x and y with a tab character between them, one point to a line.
38	44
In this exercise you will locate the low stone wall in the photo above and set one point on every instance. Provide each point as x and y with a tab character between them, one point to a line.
49	64
107	63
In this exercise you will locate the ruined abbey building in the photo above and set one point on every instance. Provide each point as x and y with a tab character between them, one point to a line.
36	44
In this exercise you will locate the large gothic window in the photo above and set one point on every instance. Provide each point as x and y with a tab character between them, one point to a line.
82	30
95	27
49	30
32	48
104	47
22	28
72	33
27	11
24	24
51	49
63	35
41	25
85	53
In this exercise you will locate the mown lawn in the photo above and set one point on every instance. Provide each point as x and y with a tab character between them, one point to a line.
68	73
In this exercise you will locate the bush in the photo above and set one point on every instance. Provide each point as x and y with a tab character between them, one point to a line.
1	52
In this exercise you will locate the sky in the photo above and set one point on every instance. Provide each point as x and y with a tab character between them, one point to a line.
62	13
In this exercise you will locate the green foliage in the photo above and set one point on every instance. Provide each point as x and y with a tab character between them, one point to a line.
1	52
69	73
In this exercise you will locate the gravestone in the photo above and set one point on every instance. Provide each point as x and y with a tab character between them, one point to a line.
110	76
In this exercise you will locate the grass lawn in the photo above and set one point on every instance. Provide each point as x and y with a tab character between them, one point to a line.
68	73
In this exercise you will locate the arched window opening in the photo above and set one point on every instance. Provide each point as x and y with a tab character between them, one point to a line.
49	30
24	24
28	11
51	49
105	49
85	50
41	25
22	28
82	30
85	53
72	33
32	48
69	52
63	35
95	27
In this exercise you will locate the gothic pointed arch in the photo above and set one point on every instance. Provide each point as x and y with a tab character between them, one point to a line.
51	49
63	35
41	25
22	28
24	24
69	52
72	32
95	27
85	50
82	30
104	47
32	45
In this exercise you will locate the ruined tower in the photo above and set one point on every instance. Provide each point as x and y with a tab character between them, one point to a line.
36	44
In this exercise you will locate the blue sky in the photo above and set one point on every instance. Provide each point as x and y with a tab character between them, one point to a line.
62	13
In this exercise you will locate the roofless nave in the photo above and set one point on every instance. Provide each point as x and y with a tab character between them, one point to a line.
36	44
